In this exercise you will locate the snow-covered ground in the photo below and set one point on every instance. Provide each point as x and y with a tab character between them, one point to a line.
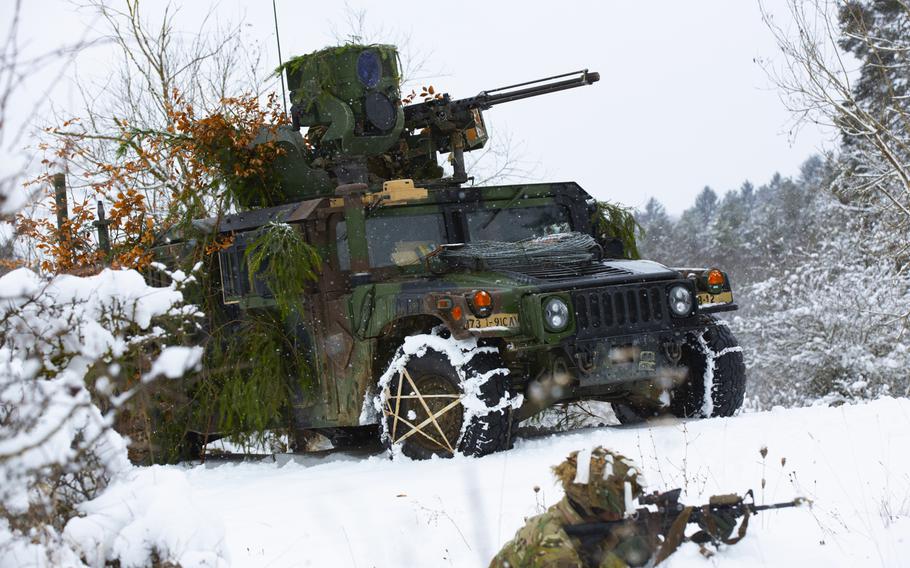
361	510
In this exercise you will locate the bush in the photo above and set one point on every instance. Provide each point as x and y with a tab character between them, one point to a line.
70	346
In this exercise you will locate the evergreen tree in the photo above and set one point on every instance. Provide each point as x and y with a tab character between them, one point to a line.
694	234
732	219
797	257
877	33
875	149
658	231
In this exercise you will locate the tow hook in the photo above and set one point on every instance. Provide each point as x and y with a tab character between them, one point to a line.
673	351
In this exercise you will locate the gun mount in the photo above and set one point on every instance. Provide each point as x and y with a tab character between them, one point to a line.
359	131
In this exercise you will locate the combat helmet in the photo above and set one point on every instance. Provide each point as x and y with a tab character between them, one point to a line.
605	486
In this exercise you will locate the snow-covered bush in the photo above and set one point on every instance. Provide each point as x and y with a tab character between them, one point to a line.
830	327
148	516
68	346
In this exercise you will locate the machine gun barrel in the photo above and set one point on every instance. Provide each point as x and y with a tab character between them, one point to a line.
422	112
511	93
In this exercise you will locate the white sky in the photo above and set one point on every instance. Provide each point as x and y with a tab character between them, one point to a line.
681	103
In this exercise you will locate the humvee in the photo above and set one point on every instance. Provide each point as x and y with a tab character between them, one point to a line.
542	307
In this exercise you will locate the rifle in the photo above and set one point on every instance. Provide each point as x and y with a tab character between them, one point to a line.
446	125
717	519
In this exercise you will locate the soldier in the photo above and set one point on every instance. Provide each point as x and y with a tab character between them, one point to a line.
601	488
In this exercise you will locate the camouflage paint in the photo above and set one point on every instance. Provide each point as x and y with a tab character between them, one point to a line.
356	318
353	316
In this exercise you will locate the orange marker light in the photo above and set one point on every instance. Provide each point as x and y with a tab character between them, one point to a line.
482	299
715	278
456	312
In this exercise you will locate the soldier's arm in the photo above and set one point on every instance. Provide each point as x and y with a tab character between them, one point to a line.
541	543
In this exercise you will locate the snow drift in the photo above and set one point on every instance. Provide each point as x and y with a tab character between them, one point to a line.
346	510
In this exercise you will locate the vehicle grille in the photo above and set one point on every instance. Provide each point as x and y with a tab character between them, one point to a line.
602	312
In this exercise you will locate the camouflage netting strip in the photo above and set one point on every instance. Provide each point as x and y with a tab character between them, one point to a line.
557	250
603	483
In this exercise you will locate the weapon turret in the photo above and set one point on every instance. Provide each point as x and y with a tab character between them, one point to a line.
349	97
358	132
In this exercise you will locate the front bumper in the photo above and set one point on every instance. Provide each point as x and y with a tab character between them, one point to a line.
618	334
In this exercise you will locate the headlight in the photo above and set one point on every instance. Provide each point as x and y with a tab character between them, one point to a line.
556	314
680	300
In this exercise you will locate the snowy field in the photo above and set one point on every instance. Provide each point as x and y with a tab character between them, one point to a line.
363	511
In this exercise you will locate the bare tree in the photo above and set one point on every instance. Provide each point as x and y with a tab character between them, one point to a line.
415	61
159	68
19	70
502	160
820	83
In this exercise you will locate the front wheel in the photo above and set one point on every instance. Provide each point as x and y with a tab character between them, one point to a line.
431	407
715	365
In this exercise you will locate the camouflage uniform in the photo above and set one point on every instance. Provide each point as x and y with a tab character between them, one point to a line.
542	542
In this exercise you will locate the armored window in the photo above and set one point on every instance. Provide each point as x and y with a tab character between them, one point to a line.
231	275
517	223
395	240
235	278
341	246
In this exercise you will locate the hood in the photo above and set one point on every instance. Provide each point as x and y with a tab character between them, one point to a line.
573	259
595	273
592	274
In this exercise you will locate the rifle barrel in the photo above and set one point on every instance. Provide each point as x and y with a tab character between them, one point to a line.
602	528
794	503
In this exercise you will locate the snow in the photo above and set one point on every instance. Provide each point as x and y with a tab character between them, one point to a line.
362	509
57	450
349	509
149	511
174	362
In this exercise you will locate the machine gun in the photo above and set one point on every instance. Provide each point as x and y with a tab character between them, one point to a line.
359	132
717	519
445	125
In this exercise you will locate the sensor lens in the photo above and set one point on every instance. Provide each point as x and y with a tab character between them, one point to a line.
380	110
369	69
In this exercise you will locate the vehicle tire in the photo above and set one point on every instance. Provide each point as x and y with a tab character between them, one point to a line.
713	355
632	414
432	383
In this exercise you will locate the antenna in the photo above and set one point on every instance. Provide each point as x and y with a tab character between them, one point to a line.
284	97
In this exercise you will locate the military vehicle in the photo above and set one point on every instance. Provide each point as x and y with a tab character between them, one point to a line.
411	250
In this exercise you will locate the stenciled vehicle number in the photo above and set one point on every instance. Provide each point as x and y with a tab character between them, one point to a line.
706	299
494	320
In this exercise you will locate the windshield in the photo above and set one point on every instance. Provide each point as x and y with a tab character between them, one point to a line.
395	240
518	223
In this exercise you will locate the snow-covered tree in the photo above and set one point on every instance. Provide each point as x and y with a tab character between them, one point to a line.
827	326
657	228
821	300
868	104
694	234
